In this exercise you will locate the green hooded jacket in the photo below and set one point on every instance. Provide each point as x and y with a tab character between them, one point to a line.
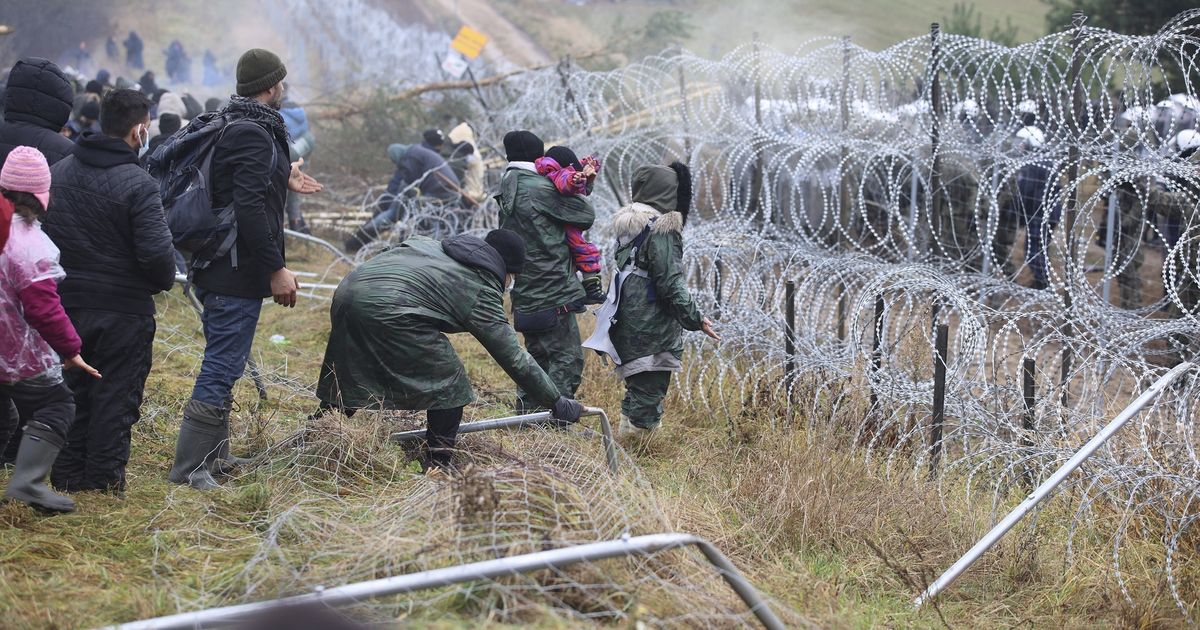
655	310
388	346
531	206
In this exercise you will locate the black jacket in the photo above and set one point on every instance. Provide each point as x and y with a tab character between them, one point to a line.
107	218
37	105
242	175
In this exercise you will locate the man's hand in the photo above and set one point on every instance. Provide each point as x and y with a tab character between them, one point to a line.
284	286
706	327
301	182
567	410
77	363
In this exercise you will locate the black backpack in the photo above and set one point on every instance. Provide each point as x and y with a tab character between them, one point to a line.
183	167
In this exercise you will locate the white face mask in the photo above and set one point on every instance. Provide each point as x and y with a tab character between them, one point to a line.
512	280
144	140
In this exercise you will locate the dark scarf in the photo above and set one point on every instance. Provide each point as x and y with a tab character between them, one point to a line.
254	111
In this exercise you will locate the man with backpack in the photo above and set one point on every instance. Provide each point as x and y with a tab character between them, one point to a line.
249	174
106	217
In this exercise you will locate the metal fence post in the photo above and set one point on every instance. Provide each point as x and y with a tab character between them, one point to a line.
789	337
1069	211
1028	421
939	396
876	341
935	131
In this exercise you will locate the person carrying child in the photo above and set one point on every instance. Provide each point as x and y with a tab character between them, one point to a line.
575	177
36	337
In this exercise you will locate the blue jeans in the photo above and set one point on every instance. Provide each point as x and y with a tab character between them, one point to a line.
229	324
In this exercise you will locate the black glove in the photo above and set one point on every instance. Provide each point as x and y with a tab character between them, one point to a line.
567	410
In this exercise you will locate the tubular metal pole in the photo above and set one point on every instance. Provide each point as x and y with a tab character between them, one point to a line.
789	336
939	397
516	422
487	569
1072	200
876	341
1047	486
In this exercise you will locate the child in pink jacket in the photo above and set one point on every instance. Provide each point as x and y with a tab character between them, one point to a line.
572	176
36	337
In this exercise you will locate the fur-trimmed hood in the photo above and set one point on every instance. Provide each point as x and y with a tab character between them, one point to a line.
632	219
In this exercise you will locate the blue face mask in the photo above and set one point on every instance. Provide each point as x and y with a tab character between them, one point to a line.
144	139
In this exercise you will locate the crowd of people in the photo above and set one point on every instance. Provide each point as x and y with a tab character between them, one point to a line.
89	234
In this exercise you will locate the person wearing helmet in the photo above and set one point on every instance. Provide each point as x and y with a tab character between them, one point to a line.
1031	200
1174	200
1027	112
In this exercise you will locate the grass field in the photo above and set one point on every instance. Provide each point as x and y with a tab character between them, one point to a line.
809	522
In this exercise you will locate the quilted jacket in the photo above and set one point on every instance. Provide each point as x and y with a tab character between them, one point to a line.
106	216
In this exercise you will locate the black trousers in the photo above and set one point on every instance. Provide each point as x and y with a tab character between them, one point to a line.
44	405
120	346
441	434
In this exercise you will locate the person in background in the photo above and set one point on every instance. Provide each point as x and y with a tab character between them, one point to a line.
250	171
213	104
149	84
652	303
420	172
168	124
169	103
88	120
36	338
107	218
1029	201
37	105
571	176
302	144
212	74
467	163
388	347
133	51
434	140
111	49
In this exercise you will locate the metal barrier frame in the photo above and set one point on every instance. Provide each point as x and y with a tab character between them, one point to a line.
487	569
1048	486
606	436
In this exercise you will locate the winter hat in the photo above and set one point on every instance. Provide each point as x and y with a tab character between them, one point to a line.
258	71
511	247
103	77
169	123
434	137
396	152
26	170
212	105
565	157
523	146
95	87
90	110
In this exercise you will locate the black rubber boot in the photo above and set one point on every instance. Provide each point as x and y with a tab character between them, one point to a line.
203	430
39	448
225	463
358	240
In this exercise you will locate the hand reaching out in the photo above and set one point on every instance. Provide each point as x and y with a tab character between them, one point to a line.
706	327
301	182
77	363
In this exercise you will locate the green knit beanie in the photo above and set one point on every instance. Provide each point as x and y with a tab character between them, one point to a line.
258	71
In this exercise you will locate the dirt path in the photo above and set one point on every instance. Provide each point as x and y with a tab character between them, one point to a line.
508	42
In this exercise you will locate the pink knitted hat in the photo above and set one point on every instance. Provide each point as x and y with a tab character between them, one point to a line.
26	170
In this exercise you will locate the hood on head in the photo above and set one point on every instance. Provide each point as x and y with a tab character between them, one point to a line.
396	152
473	251
172	103
462	133
38	93
657	187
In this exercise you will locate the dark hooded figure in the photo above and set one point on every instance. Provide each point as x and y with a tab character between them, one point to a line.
388	348
133	51
37	105
649	305
149	84
111	49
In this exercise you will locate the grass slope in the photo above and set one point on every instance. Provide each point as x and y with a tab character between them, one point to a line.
807	520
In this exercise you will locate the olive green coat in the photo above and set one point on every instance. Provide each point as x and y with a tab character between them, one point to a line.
388	346
654	310
531	206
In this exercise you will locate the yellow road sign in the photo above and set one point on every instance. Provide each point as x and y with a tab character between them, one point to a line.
469	42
